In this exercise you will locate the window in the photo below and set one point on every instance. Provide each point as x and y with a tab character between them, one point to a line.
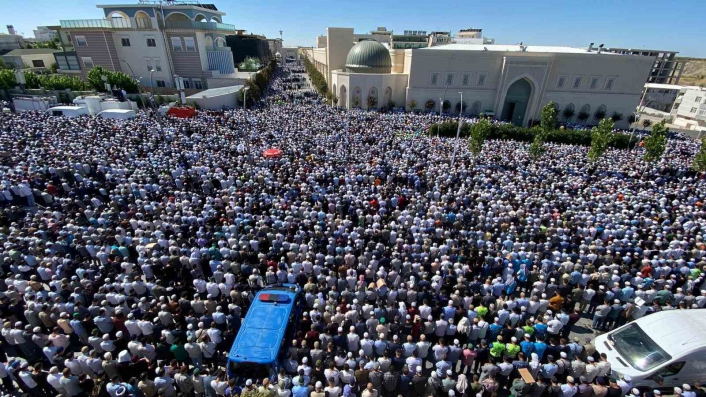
594	83
434	78
449	79
698	99
187	84
151	43
37	63
481	79
197	84
561	82
81	41
693	110
641	352
125	42
610	82
150	64
157	65
671	369
190	44
87	62
160	83
176	43
466	79
577	82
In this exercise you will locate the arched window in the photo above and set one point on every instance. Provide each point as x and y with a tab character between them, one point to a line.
568	112
475	108
209	42
220	43
585	109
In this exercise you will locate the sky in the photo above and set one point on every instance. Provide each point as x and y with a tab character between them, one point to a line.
672	25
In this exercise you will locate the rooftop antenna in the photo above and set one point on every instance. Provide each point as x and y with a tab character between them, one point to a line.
280	34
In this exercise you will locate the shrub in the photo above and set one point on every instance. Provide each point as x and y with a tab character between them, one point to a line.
412	104
429	105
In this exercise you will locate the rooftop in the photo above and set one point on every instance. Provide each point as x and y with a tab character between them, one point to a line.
512	48
31	51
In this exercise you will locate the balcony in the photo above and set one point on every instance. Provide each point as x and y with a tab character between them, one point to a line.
114	23
192	25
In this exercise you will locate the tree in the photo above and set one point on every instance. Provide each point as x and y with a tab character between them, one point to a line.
656	143
700	158
372	102
458	107
412	104
599	114
123	81
616	117
646	123
7	79
95	78
547	125
601	137
632	119
583	116
429	105
478	132
53	67
391	104
355	102
568	113
31	80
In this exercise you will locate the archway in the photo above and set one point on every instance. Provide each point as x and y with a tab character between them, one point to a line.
200	18
220	42
475	108
388	95
177	17
517	101
119	19
343	97
357	98
372	99
209	42
216	19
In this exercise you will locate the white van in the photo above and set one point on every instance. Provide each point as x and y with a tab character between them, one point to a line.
67	111
662	350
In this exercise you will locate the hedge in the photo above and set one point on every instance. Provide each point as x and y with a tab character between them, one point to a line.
524	134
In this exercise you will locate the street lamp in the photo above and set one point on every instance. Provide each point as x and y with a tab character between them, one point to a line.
458	132
245	98
151	88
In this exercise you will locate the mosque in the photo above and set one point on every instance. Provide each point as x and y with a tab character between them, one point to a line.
508	82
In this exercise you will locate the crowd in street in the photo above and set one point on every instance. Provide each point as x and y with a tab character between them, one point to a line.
132	249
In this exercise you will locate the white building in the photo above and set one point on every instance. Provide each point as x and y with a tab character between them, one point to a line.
689	109
510	82
43	33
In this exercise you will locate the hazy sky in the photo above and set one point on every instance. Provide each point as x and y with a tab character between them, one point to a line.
677	25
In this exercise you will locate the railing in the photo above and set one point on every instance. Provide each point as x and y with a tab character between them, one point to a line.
115	23
192	25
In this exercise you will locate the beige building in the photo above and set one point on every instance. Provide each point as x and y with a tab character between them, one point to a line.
509	82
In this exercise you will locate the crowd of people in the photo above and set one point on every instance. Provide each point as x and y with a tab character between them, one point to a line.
131	250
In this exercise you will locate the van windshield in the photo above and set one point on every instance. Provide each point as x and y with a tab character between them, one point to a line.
638	349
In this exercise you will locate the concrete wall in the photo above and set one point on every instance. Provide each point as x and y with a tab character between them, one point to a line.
100	47
138	53
339	42
187	64
366	82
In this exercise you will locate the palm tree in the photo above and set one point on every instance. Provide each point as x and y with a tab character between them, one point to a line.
583	116
616	117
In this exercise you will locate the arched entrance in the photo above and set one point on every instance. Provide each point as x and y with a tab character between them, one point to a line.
343	97
516	102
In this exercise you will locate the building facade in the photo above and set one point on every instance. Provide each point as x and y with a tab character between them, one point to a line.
43	33
37	59
666	68
249	45
508	82
154	43
689	110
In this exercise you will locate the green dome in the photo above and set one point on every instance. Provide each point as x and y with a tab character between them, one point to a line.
368	57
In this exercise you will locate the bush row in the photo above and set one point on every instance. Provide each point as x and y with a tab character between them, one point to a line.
524	134
317	79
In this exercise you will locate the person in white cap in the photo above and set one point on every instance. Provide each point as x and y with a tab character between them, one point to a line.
625	384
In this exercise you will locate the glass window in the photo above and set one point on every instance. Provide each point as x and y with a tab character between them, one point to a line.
187	84
157	64
434	78
160	83
81	41
633	345
577	82
481	79
560	82
594	83
150	65
197	84
176	43
693	110
190	43
87	62
609	84
449	79
125	42
151	43
466	79
698	99
37	63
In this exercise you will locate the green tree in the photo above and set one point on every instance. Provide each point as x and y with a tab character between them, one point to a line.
478	132
7	79
549	117
446	105
32	81
124	81
95	78
616	116
700	158
601	136
656	143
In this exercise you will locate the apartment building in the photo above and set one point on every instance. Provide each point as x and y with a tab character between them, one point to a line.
153	42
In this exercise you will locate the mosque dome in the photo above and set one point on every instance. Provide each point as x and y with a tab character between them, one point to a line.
368	57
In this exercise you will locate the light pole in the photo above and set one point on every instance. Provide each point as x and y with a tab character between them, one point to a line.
245	98
151	88
458	132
